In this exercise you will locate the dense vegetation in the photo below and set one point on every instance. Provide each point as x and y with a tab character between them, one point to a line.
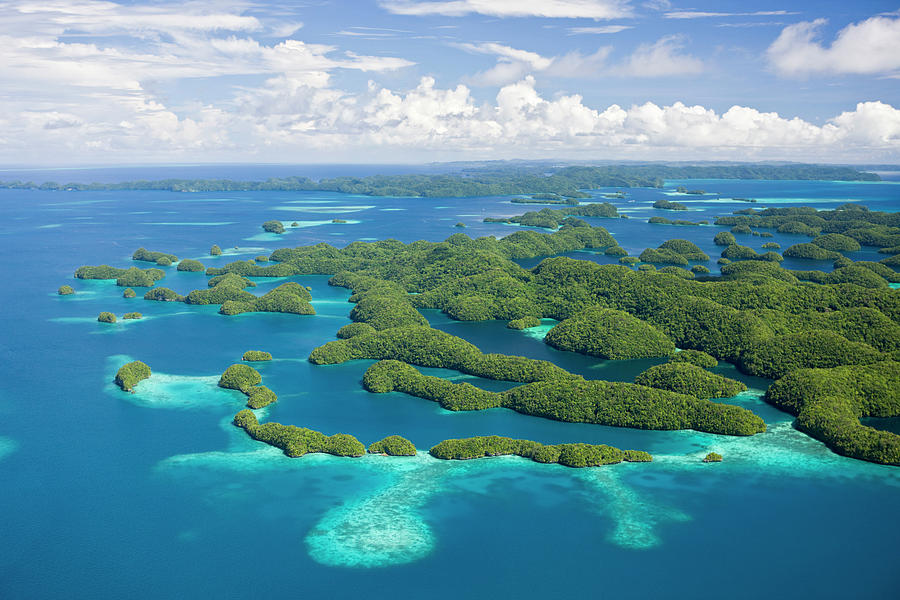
353	329
837	242
221	291
256	355
665	221
297	441
694	357
828	404
550	218
129	293
768	320
674	252
573	400
131	277
260	396
495	180
247	380
190	265
428	347
669	205
811	251
215	251
866	227
65	290
393	445
712	457
163	294
129	375
687	378
524	323
609	333
290	297
132	316
724	238
106	317
570	455
273	226
240	377
779	355
148	256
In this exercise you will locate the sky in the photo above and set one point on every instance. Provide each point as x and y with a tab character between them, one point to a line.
86	82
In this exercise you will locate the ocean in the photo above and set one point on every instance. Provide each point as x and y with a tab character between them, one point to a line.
155	494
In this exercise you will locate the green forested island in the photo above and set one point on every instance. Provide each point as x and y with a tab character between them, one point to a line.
129	375
569	455
536	180
800	328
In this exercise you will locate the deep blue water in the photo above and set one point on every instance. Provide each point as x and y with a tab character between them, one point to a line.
109	495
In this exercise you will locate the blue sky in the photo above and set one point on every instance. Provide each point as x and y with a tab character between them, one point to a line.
85	82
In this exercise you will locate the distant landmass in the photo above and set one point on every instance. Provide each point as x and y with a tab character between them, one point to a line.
498	180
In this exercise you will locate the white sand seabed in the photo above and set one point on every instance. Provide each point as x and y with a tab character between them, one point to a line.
180	392
635	518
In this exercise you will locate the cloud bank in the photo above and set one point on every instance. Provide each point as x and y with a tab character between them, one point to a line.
297	119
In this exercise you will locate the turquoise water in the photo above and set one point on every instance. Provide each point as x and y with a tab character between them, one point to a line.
154	494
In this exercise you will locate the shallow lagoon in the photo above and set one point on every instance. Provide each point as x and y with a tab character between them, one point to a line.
108	494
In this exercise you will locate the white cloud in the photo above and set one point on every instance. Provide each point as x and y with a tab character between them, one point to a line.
586	9
69	98
304	118
79	75
868	47
696	14
660	59
606	29
513	64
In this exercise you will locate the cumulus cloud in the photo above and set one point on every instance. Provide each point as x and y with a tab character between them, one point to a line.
868	47
72	98
86	69
572	9
303	117
520	122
